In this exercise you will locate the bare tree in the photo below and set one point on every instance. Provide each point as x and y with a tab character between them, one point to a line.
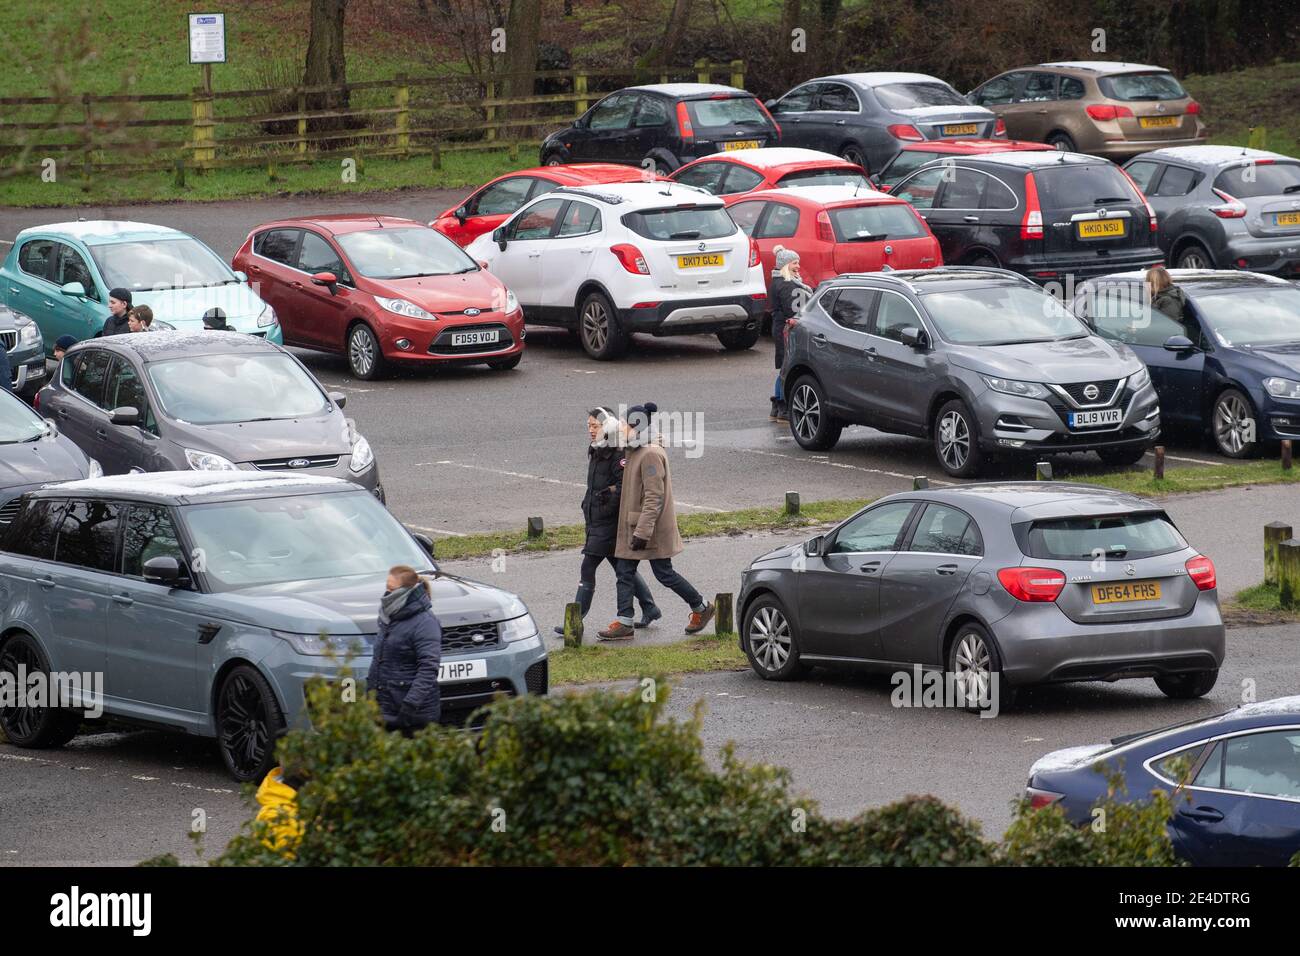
671	39
326	64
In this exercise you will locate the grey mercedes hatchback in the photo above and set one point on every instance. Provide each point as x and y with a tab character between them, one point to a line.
1028	582
202	602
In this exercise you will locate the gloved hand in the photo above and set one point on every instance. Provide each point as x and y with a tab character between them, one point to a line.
639	544
407	717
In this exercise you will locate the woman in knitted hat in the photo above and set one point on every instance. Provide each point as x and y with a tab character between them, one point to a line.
788	293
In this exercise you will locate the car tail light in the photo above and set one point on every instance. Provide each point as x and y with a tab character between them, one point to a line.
775	125
1032	584
1031	226
1232	208
908	133
753	252
684	126
631	258
1042	798
825	232
1201	570
1193	108
36	401
1000	127
1151	213
1104	111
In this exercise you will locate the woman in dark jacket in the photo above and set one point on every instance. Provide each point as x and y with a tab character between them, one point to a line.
408	649
788	294
605	460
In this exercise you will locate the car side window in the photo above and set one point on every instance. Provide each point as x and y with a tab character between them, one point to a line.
965	190
71	267
580	219
998	195
1039	88
838	98
740	179
68	369
1176	766
501	199
1119	314
537	221
1266	763
317	255
125	390
35	256
1071	88
782	222
652	111
88	535
922	188
278	245
946	530
706	176
874	530
852	308
798	100
35	528
1177	181
893	314
148	533
745	215
91	373
998	91
613	113
1142	173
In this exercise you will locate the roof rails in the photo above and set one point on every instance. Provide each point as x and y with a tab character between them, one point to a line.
909	277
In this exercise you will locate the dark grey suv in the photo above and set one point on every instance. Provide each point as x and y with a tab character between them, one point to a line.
980	361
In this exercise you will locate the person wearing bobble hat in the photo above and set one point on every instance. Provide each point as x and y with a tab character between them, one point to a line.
647	527
789	293
119	310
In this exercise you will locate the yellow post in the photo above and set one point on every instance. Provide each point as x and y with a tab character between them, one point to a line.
402	100
702	71
302	122
738	74
491	110
205	144
580	87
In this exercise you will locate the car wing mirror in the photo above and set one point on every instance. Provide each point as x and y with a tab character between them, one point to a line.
124	415
1179	343
328	279
499	237
914	338
338	398
815	547
884	187
461	214
167	571
241	276
425	542
74	289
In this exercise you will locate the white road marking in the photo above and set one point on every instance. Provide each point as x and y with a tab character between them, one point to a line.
822	460
1195	461
446	531
7	242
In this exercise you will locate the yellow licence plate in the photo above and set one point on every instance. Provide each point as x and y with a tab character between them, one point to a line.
1158	122
740	144
1121	592
1100	228
1288	219
961	129
700	262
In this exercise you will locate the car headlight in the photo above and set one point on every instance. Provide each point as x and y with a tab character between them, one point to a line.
518	629
402	307
362	456
319	645
1009	386
1139	378
94	469
1282	387
267	318
206	461
28	333
512	302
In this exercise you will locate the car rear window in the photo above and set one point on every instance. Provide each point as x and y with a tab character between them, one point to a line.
681	222
1142	86
1260	179
727	111
1082	186
825	177
875	223
906	96
1125	537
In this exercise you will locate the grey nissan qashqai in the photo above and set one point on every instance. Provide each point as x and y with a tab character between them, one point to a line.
202	602
980	361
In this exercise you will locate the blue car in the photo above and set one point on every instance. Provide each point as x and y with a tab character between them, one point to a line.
1234	779
1232	367
60	276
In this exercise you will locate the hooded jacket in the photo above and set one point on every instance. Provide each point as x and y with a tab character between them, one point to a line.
787	300
1172	301
600	504
404	665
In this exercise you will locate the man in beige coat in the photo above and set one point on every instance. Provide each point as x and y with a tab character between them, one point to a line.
647	527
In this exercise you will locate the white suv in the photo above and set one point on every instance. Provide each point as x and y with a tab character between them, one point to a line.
619	258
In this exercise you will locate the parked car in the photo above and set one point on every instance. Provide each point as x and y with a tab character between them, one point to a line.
752	170
60	276
1045	215
207	401
915	155
25	348
979	361
383	291
867	118
657	258
985	580
661	126
1107	109
493	203
208	600
1231	369
32	454
1224	207
1234	781
835	229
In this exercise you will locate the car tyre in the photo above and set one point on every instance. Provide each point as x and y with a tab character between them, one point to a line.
598	329
1188	686
737	340
365	357
1234	425
1119	457
1194	256
986	260
956	440
505	365
34	728
770	641
854	155
1062	141
249	722
811	423
973	661
553	159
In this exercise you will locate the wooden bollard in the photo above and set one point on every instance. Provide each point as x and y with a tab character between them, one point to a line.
724	618
435	157
1159	471
535	528
178	180
1288	574
792	502
1286	454
1275	532
1043	471
920	483
572	624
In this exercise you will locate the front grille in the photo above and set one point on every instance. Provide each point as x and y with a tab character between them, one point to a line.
9	339
282	464
1105	393
442	344
537	678
470	637
9	509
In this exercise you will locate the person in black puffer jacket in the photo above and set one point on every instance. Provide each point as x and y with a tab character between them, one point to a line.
408	650
788	295
605	460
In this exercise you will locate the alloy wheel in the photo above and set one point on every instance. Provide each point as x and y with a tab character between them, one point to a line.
769	638
595	326
20	722
954	440
972	668
1193	259
245	731
361	351
805	412
1234	425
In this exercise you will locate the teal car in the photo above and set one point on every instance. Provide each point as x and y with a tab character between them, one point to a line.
60	276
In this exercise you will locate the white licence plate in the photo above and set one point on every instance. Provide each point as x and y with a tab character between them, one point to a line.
476	338
451	671
1102	416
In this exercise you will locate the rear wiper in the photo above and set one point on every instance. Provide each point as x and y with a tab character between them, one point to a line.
1098	202
874	237
688	234
1293	188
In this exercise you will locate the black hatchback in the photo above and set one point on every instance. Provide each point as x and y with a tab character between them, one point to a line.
1054	217
666	124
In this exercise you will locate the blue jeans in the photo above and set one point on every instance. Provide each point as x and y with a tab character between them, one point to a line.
664	574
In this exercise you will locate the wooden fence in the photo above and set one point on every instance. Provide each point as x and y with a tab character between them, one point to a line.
403	116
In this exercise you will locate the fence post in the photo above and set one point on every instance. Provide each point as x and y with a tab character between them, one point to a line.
1288	574
435	156
201	119
702	71
724	619
1275	532
1043	471
792	503
302	123
88	137
738	74
1286	454
491	110
573	624
536	528
402	100
580	87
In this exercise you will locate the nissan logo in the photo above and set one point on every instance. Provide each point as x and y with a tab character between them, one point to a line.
473	311
299	462
1091	392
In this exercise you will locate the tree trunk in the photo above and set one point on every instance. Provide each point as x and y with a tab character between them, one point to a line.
671	39
791	17
523	36
326	65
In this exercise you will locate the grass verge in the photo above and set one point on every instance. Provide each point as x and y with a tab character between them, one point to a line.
593	663
1198	478
1259	604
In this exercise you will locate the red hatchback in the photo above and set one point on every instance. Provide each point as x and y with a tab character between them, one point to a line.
915	155
491	205
749	170
381	290
836	229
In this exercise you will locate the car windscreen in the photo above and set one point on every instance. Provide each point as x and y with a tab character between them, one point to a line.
875	223
160	264
825	177
220	389
681	222
18	423
298	538
1001	315
904	163
1082	186
1260	179
1141	86
404	253
1081	538
1257	317
727	111
908	96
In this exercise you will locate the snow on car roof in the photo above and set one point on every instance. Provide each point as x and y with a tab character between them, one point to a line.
1106	66
767	157
884	79
196	484
1279	706
639	195
940	110
1071	758
1213	155
689	89
825	194
1199	275
165	344
1034	159
95	231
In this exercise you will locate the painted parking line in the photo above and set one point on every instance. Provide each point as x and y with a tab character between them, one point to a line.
446	531
840	464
